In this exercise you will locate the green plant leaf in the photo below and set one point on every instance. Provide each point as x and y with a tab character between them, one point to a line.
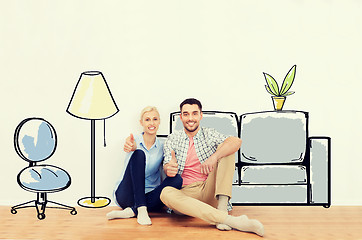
287	94
268	90
272	84
288	81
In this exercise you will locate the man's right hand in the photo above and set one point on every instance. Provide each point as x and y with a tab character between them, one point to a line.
171	167
130	144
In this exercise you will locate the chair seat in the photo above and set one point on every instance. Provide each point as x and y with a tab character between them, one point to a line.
44	178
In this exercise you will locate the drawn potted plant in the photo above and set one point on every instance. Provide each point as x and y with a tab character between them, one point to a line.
280	94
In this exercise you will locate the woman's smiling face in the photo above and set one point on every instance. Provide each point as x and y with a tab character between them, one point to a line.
150	122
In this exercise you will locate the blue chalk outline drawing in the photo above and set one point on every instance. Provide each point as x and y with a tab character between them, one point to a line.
35	140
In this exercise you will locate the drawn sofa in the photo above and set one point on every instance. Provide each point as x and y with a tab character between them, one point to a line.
278	162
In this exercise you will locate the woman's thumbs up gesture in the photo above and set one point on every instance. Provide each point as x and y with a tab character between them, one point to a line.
130	144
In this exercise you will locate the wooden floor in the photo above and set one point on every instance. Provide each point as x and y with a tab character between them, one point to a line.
294	223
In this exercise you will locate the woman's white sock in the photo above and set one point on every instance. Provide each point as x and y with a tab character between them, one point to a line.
142	216
126	213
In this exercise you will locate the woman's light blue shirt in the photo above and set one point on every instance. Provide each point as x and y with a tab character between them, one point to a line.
154	158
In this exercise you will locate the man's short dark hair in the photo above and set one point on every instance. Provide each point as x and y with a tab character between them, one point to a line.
191	101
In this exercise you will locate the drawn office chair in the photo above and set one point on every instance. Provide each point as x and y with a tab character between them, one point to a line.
35	140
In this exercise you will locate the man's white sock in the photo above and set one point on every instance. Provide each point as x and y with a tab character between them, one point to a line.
243	223
222	205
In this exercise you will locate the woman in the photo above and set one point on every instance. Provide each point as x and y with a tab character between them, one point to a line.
140	187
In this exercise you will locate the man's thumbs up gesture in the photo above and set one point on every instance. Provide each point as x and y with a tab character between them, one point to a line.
171	167
130	144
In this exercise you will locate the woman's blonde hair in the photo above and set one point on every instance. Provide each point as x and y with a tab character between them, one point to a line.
149	109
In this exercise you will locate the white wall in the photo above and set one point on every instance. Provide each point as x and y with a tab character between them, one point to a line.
160	52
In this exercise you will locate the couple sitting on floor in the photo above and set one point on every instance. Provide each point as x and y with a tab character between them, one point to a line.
199	164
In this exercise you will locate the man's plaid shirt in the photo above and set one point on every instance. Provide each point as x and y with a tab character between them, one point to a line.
206	142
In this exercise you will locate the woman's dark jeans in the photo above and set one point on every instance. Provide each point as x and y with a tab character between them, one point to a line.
131	191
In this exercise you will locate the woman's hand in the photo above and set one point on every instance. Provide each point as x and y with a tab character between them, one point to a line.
130	144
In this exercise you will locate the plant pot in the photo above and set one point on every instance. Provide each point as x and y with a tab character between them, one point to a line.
278	102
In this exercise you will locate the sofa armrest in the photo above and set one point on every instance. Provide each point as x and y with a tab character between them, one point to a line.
320	170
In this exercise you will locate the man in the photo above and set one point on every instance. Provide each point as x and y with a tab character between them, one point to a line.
205	160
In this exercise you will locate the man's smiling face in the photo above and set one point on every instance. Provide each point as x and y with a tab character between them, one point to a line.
191	116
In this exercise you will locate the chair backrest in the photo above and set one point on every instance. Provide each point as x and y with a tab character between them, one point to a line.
276	137
35	140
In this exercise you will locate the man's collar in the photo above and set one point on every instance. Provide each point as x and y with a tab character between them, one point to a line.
196	136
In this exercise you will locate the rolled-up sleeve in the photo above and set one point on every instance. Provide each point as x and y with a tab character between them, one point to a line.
167	147
216	137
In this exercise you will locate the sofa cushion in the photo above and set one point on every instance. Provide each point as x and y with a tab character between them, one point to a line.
224	122
269	194
273	175
273	137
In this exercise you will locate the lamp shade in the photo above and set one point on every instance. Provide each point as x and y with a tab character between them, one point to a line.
92	98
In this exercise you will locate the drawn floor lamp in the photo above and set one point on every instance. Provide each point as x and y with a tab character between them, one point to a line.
92	100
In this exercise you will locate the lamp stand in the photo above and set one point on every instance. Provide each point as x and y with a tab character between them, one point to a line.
93	201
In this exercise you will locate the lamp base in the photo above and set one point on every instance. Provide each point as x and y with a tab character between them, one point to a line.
94	202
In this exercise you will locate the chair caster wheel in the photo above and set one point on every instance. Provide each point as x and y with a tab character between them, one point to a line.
13	211
73	212
41	216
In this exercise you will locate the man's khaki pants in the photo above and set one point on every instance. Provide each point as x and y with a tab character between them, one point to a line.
199	199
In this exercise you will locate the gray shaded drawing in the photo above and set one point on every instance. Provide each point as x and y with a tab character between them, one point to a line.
277	175
278	163
320	170
273	137
35	140
227	122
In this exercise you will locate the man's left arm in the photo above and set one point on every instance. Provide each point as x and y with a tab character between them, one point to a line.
228	147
